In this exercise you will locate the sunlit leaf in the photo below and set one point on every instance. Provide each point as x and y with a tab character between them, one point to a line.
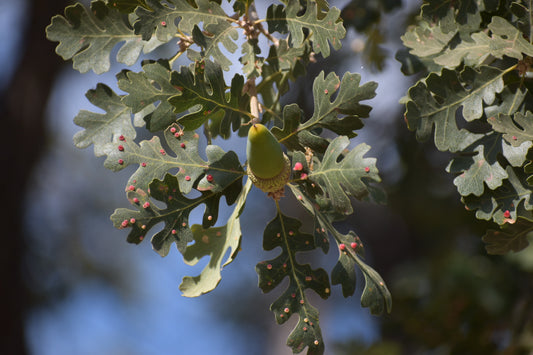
506	203
341	116
435	101
213	242
175	215
151	87
203	96
284	232
88	37
323	29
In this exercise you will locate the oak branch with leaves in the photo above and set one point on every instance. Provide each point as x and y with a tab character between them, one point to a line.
177	105
475	101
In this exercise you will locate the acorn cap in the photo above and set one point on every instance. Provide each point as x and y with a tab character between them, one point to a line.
274	186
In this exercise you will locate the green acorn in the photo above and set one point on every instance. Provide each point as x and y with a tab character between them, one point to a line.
268	167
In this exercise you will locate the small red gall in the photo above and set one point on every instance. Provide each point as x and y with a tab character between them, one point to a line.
354	245
291	233
326	91
121	148
146	205
141	237
316	342
182	145
293	295
269	266
298	166
122	138
342	246
132	220
135	200
187	178
177	134
514	138
173	129
367	169
120	161
209	178
163	23
162	151
308	278
507	214
299	197
131	188
286	310
305	329
209	218
303	176
302	301
143	165
174	231
125	223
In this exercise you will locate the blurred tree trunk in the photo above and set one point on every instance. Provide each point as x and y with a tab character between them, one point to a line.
22	110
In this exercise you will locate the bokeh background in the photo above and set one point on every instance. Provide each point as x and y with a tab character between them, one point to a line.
72	285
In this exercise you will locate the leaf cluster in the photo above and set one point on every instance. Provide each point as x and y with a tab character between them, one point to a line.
175	105
475	102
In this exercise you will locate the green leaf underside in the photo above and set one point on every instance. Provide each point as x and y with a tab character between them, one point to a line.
517	129
375	294
432	43
436	101
505	40
113	135
203	95
348	177
148	93
213	242
283	232
323	30
341	116
103	129
283	62
216	34
252	64
118	143
163	21
506	203
175	216
88	37
484	167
